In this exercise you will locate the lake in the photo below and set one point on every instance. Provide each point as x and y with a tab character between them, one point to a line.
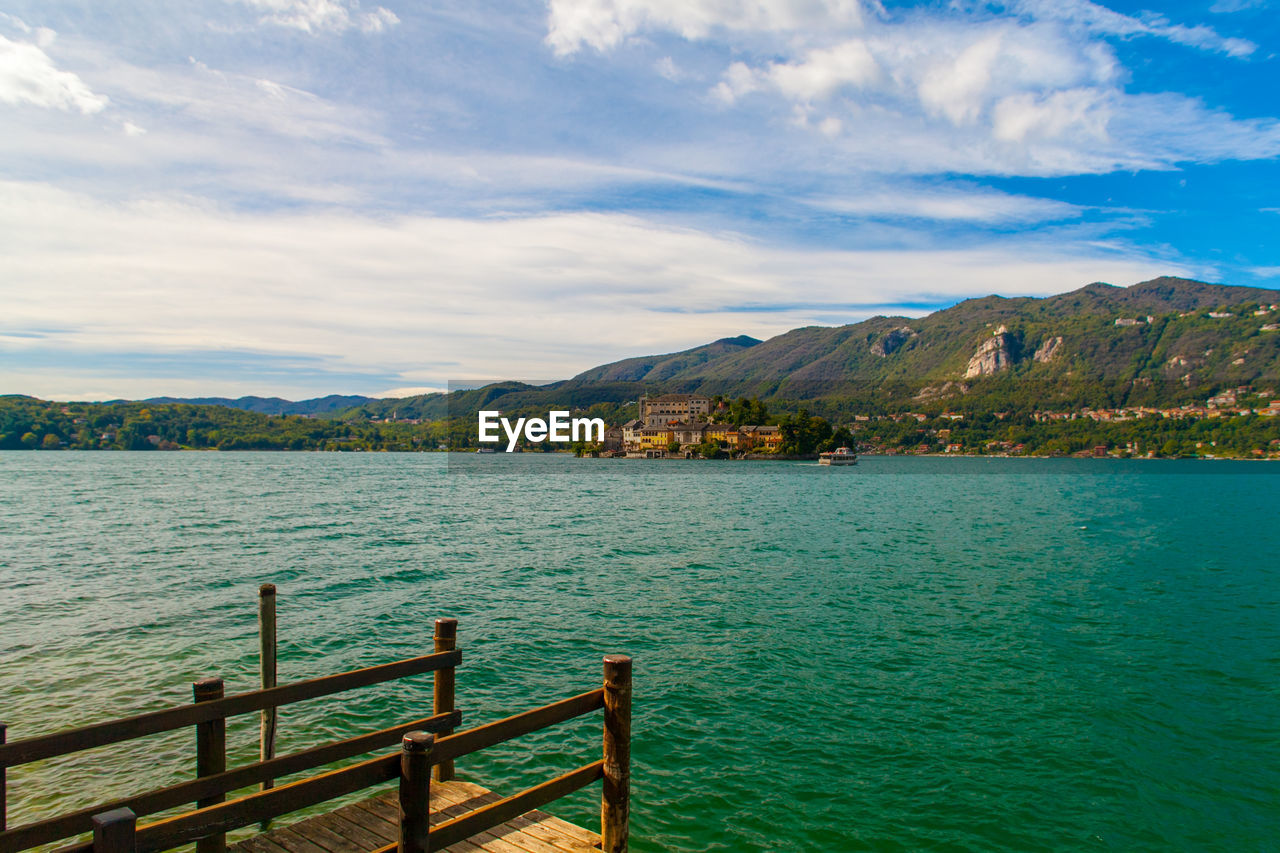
961	654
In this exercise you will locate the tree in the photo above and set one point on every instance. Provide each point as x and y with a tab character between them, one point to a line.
744	411
29	439
840	438
51	442
804	434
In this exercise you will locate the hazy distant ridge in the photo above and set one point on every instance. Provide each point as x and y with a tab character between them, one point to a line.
274	405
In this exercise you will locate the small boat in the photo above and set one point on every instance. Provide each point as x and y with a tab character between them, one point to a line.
839	456
486	450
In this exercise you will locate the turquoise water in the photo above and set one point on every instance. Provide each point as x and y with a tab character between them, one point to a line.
957	654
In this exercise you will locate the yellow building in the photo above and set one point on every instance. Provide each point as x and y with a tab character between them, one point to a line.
767	438
654	438
723	433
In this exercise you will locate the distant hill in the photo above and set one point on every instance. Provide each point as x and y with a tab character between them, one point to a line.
1157	341
272	405
661	368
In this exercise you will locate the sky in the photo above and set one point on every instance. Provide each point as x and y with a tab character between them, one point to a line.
302	197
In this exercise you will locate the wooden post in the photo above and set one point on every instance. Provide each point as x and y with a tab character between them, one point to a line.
4	792
267	669
615	801
446	638
415	792
211	756
113	831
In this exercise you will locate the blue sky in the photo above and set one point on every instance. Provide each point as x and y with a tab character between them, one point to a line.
300	197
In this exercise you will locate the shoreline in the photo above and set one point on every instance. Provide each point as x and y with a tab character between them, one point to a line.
749	458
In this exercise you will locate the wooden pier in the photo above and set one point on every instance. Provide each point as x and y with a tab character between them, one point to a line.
373	823
429	810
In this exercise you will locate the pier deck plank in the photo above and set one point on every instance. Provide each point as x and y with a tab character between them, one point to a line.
366	825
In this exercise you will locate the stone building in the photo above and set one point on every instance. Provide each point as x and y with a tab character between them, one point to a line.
674	408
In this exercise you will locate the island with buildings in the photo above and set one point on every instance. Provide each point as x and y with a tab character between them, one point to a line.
685	426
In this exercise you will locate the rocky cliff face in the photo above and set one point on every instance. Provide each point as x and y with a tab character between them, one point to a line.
1050	349
994	354
892	341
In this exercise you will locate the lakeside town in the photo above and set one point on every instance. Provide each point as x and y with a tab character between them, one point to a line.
692	425
1240	422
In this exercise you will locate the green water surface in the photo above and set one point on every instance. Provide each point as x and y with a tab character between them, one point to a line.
913	654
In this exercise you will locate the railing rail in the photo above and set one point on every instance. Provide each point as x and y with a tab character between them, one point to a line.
74	823
498	813
114	731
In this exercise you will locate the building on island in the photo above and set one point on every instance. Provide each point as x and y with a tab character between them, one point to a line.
674	408
691	432
613	441
685	420
654	438
767	438
631	432
722	434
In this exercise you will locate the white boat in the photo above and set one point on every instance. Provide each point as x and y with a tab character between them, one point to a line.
839	456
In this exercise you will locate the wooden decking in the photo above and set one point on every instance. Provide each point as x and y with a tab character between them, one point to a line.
369	824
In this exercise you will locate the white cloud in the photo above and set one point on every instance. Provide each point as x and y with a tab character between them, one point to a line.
666	67
1010	90
817	76
378	20
988	97
191	126
1228	6
29	76
220	101
436	298
1016	118
318	16
1036	90
409	391
1099	19
946	204
604	24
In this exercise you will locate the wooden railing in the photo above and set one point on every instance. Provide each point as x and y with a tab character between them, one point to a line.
114	824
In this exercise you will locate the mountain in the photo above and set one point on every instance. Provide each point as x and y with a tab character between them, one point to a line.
272	405
1159	341
1167	330
661	368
